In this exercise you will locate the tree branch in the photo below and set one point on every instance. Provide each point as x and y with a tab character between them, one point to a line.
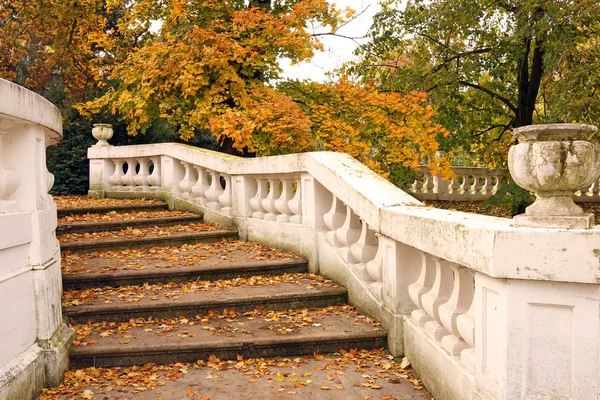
491	93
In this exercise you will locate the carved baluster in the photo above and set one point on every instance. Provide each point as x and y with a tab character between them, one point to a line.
438	294
466	185
477	186
487	187
10	179
364	250
429	184
499	180
187	182
201	186
417	186
295	204
595	189
374	269
282	203
225	198
348	234
334	219
268	202
141	178
127	179
214	191
256	201
116	178
420	287
459	303
154	180
455	185
465	324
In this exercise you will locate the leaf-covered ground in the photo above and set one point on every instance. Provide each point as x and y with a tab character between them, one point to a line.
218	252
130	233
171	290
115	216
351	375
81	201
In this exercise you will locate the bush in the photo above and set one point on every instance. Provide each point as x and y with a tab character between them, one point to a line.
512	197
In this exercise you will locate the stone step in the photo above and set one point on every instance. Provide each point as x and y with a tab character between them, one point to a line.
124	224
227	335
204	271
63	212
145	241
290	291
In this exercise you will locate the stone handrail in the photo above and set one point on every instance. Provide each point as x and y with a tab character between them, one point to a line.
458	293
34	339
476	184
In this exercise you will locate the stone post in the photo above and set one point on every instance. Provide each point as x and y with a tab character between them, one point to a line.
554	161
100	169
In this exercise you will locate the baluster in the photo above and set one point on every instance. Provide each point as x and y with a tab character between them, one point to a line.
154	178
374	269
595	188
348	234
459	303
417	186
127	179
116	178
334	219
225	197
429	184
477	186
465	323
268	202
420	287
10	180
214	191
365	249
187	182
295	204
438	294
487	187
201	186
282	203
466	185
499	180
141	178
256	201
455	185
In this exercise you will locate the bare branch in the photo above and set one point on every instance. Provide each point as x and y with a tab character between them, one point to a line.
491	93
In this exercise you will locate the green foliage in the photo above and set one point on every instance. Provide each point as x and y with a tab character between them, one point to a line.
489	66
512	197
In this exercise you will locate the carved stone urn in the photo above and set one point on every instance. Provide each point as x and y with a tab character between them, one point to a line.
102	133
554	161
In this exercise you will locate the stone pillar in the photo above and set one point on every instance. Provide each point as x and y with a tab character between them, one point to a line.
555	161
100	169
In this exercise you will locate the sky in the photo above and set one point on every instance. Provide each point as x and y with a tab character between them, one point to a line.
337	50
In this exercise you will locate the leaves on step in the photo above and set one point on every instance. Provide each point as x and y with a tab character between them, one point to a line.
171	290
376	375
131	233
126	216
228	322
218	252
75	201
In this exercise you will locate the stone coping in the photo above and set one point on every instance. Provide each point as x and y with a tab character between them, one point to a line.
18	104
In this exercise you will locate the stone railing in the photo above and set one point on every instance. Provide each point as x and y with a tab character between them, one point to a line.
482	308
34	340
477	184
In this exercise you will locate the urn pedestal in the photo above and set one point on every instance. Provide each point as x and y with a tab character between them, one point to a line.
102	133
554	161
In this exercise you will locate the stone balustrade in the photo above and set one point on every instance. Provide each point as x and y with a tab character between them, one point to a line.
483	309
34	339
477	184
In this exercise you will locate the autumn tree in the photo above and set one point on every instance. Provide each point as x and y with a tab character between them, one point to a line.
490	66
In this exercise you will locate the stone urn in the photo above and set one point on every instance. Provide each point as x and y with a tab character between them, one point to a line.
102	133
554	161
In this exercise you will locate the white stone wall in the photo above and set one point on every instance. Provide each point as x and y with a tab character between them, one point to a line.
484	309
33	340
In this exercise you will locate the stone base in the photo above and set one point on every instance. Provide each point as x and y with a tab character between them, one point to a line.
584	221
42	365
